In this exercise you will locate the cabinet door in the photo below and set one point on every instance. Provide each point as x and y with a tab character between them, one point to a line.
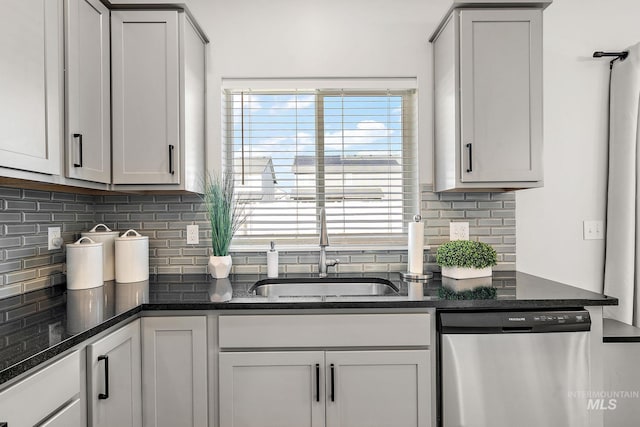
174	355
621	373
113	365
378	388
145	81
272	389
501	95
88	131
31	85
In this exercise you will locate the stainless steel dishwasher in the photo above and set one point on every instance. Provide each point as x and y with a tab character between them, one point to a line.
505	369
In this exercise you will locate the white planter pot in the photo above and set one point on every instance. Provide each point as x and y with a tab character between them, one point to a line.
466	272
219	266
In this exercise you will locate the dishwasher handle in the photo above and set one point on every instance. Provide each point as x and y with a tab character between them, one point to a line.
516	329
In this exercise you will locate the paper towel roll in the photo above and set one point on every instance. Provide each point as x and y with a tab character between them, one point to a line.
416	246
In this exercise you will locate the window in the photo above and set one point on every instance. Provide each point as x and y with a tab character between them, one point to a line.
295	152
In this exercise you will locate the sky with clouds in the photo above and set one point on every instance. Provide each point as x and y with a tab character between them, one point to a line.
283	126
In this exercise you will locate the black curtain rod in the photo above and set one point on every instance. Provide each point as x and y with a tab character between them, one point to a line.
621	55
617	55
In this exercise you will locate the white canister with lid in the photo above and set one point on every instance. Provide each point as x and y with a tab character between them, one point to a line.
132	257
107	237
84	264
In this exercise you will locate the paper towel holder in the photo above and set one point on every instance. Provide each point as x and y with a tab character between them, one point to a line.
413	277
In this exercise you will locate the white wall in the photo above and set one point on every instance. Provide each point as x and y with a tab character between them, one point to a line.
389	38
327	38
549	219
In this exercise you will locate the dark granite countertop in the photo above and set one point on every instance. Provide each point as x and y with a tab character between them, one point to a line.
615	331
36	326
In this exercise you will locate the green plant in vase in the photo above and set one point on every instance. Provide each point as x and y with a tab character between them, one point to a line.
225	215
463	259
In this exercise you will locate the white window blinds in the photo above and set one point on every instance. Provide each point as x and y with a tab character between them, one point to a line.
292	153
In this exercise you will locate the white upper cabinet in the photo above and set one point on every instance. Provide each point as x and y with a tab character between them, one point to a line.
145	97
158	100
31	85
88	86
133	118
488	99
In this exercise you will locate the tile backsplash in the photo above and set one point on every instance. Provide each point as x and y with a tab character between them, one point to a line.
25	215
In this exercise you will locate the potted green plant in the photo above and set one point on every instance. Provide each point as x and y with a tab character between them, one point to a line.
226	216
464	259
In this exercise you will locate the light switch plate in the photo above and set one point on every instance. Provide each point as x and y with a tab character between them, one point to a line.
593	230
458	231
193	237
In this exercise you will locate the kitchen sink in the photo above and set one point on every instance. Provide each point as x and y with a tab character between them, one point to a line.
317	286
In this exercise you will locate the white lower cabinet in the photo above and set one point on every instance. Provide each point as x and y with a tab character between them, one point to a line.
378	388
333	388
113	369
272	389
50	397
174	371
621	373
66	417
342	370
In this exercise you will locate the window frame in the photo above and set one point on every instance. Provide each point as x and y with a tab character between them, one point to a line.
410	174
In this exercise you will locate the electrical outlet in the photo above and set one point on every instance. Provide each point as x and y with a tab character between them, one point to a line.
54	238
193	237
593	230
458	231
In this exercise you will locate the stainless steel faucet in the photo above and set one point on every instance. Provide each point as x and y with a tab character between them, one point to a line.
323	262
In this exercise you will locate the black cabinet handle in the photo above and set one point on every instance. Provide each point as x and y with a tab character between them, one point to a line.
171	171
79	136
105	395
470	168
317	382
333	391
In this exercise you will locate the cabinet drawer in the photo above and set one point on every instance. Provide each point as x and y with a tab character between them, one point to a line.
330	330
69	416
40	395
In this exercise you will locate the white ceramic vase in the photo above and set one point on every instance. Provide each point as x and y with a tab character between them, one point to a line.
466	272
219	266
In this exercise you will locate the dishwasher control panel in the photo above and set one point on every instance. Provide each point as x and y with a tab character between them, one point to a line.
492	322
561	318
